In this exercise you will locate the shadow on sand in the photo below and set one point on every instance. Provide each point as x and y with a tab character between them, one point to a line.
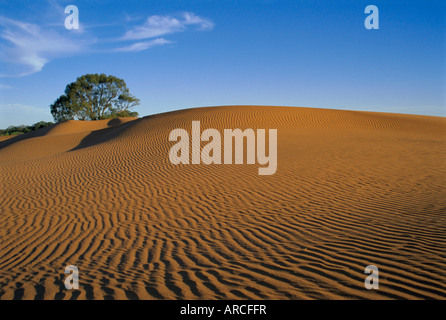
114	128
33	134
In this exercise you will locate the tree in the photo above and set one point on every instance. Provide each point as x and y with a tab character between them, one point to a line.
14	130
94	97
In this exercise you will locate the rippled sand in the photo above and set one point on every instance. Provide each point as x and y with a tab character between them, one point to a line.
351	189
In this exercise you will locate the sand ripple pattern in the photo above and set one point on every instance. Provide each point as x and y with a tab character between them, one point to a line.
351	189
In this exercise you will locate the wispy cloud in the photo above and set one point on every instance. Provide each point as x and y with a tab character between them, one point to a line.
31	47
56	5
156	26
25	48
140	46
129	17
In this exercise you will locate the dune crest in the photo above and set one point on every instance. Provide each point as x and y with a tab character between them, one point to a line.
351	189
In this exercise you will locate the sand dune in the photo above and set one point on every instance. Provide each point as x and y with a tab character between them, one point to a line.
351	189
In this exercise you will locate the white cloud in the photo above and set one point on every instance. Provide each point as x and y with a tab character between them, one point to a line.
156	26
191	18
25	48
140	46
32	47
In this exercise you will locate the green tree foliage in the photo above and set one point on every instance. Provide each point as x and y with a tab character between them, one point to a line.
94	97
13	130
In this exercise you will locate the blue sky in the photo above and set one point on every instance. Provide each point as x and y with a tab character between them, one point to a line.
181	54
